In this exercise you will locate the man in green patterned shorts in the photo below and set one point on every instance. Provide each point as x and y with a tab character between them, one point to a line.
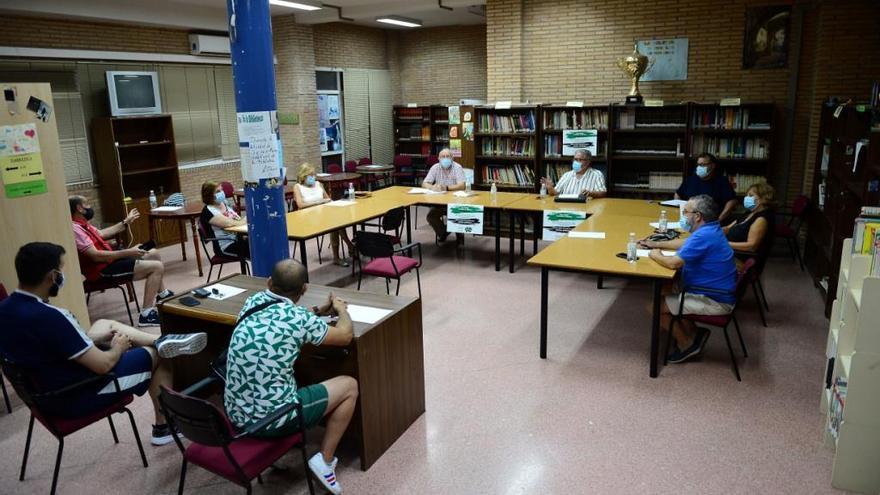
262	352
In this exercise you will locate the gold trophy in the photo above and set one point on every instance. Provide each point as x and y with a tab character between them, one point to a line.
635	66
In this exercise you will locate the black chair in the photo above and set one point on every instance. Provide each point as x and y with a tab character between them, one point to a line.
791	230
219	257
391	223
124	283
61	427
385	263
217	446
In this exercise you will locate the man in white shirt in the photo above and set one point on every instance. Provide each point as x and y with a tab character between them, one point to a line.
447	175
582	179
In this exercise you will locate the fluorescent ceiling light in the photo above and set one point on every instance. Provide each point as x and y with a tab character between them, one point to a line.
298	4
399	21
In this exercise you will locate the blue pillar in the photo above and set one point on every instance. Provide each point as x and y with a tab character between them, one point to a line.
253	71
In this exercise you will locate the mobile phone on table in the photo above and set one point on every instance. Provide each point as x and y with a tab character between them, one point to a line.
201	293
151	244
189	301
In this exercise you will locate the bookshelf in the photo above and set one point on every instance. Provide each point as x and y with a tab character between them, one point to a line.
133	156
507	147
439	128
413	133
850	396
555	119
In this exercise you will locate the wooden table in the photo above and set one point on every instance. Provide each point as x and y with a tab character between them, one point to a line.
238	194
374	169
333	179
386	358
190	212
599	256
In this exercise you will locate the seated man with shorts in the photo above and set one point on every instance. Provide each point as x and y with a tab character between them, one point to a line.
270	332
706	261
49	343
98	260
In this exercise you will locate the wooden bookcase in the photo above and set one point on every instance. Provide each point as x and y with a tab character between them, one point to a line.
851	391
439	128
413	132
554	120
135	155
831	219
507	144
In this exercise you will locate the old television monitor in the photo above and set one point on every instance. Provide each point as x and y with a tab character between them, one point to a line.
133	93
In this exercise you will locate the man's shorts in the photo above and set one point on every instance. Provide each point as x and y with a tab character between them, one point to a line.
133	372
697	304
314	399
120	268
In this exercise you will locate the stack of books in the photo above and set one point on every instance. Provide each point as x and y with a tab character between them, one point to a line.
524	122
518	175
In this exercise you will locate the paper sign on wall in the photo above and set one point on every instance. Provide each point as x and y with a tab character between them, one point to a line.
258	144
576	139
455	147
464	218
557	223
454	115
20	161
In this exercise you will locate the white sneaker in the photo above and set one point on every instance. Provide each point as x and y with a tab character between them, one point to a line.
173	345
325	473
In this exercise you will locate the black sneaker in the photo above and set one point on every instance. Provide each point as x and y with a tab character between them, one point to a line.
442	238
173	345
165	294
150	318
162	435
679	356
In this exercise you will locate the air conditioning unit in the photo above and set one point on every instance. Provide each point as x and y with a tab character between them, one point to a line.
205	44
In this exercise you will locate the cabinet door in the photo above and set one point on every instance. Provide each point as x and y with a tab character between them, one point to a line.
167	231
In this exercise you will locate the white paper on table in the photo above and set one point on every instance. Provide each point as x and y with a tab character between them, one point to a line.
223	291
462	194
422	190
569	196
673	202
323	175
667	253
587	235
643	253
166	209
366	314
341	202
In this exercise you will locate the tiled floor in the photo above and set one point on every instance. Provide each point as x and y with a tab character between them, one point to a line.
500	420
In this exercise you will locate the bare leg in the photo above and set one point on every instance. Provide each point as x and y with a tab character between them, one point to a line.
342	392
161	376
102	332
152	271
153	255
334	244
683	332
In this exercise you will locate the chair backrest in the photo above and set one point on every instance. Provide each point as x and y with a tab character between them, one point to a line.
800	206
351	166
206	234
374	244
393	219
365	161
3	293
198	420
21	382
228	189
402	161
334	168
431	160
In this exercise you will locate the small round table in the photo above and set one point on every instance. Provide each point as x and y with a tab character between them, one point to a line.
333	180
238	195
190	212
375	169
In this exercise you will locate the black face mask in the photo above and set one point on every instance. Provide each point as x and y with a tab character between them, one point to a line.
57	283
89	213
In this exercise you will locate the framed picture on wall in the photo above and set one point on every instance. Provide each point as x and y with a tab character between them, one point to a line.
765	41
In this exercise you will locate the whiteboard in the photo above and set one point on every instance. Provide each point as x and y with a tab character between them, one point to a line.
670	58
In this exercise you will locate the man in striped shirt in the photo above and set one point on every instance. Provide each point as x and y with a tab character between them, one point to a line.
582	179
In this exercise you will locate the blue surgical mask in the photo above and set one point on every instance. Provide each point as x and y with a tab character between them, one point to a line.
310	180
220	196
446	162
576	166
749	202
702	171
684	224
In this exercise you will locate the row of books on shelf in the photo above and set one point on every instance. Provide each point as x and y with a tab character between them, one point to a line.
411	114
414	132
577	118
866	236
726	118
835	406
553	147
497	146
423	149
442	133
742	182
523	122
520	175
654	181
752	148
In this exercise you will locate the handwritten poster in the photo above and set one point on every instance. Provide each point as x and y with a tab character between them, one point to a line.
259	145
20	161
670	59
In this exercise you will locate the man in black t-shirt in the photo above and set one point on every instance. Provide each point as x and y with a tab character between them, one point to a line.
709	180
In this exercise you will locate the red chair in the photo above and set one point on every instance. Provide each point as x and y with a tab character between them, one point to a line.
403	170
229	191
216	446
122	283
334	168
721	321
351	166
4	295
421	173
62	427
219	258
365	161
384	263
790	231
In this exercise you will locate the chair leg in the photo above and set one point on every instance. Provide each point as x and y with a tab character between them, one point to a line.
260	479
182	478
360	276
763	296
320	242
732	356
760	305
137	437
127	308
27	448
387	287
5	395
88	297
220	270
668	342
210	270
797	252
742	342
397	291
57	466
113	429
250	489
599	281
418	282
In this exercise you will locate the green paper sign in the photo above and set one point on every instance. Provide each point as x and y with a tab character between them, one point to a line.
26	189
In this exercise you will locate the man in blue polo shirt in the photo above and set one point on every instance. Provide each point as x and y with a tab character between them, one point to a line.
706	262
50	344
707	179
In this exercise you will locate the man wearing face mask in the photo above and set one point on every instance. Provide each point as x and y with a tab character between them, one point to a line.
447	175
582	179
49	343
706	260
708	180
98	260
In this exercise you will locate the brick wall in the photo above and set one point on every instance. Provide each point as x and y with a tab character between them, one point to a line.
350	46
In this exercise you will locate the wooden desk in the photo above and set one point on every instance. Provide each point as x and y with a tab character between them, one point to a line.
333	179
238	194
599	256
190	212
387	358
375	169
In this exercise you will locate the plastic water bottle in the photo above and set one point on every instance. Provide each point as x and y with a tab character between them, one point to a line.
662	223
350	190
543	190
631	253
154	203
467	186
493	191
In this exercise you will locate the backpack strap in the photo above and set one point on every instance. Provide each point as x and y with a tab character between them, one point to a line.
256	309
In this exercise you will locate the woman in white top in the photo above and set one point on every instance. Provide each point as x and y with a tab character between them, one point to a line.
218	216
309	192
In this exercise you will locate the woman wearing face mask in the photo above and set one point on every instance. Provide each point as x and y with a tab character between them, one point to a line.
309	192
750	232
219	216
